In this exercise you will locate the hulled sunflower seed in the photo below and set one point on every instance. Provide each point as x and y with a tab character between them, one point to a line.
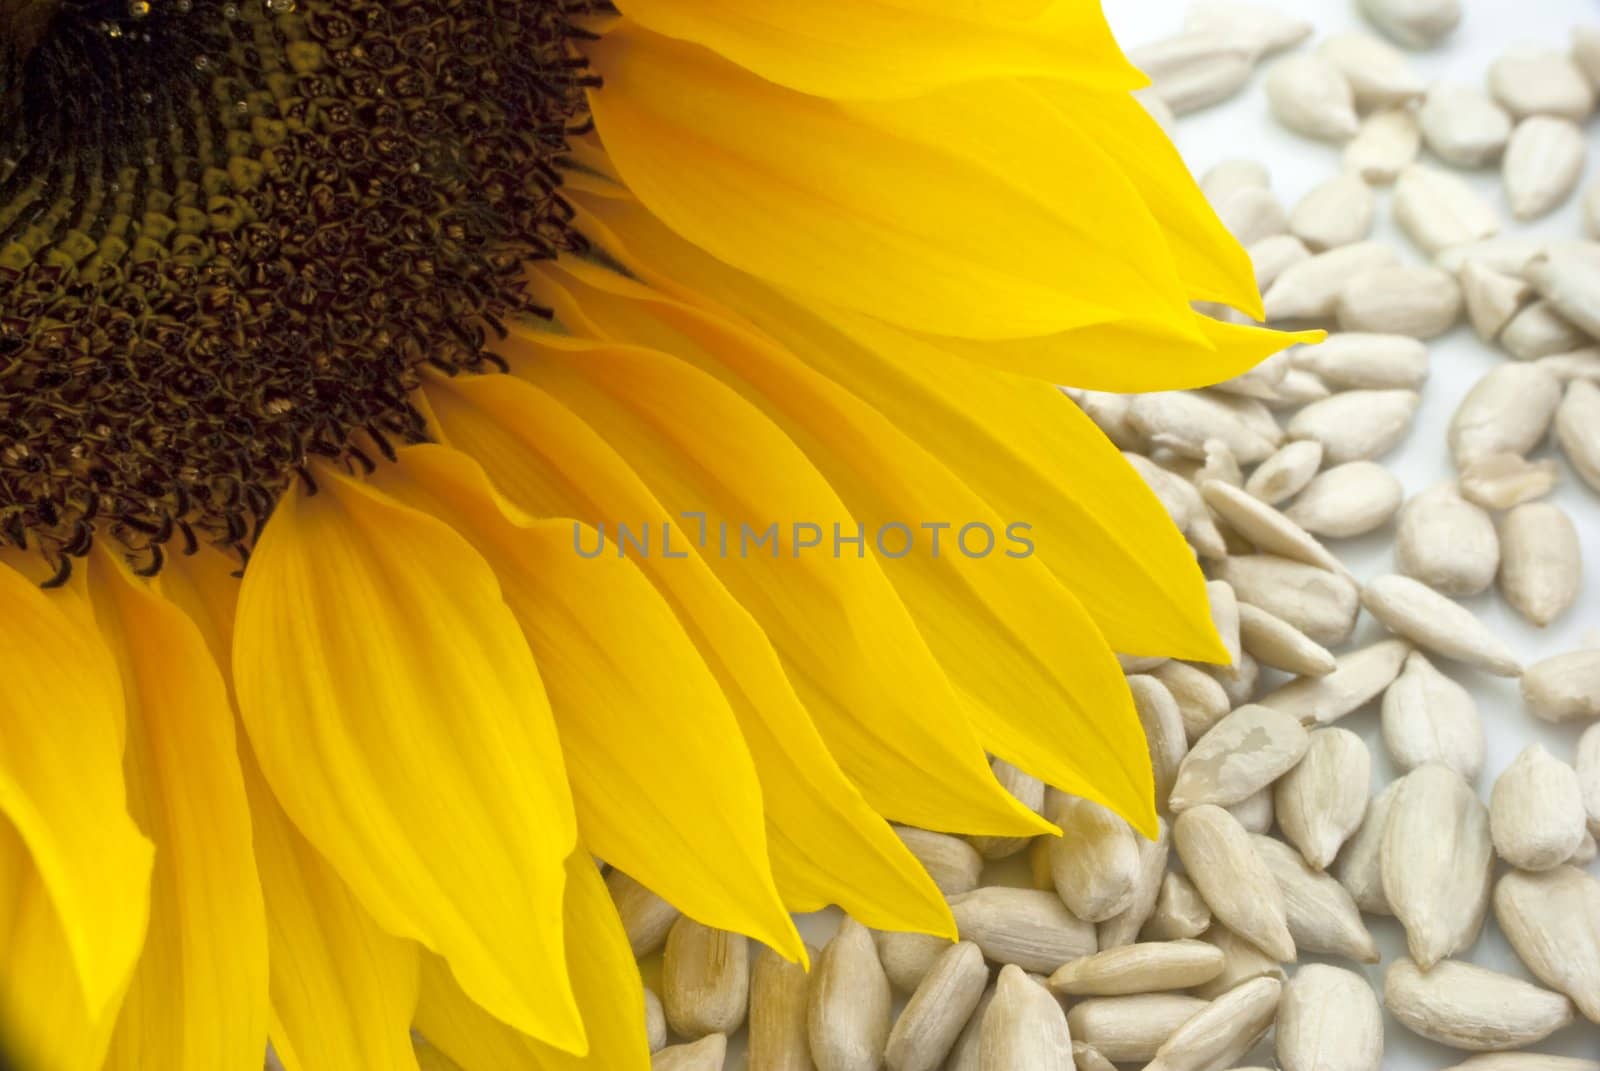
1254	812
1282	475
1358	678
908	957
1130	1028
1588	767
1427	717
1413	23
705	979
1274	255
1492	298
1586	52
1470	1007
1420	614
1578	430
1094	864
1501	481
1182	421
1406	300
1222	1031
1252	215
1504	254
1329	1020
646	918
1335	213
1524	1061
1276	643
1320	803
1462	125
1310	96
1541	562
1570	281
1232	174
1361	862
1239	681
848	1007
1538	330
1322	916
1380	76
1385	145
1163	729
1579	364
1031	928
1193	70
1242	754
1259	382
1347	500
1124	928
1262	28
1363	361
964	1055
1236	885
1322	605
1310	289
1356	425
1564	687
1438	210
1536	813
1242	962
952	863
1541	82
932	1019
1180	913
1543	161
1089	1058
1553	921
1029	791
1139	968
1436	862
1300	387
1225	617
707	1054
1265	527
1024	1028
1201	700
655	1020
1447	542
778	998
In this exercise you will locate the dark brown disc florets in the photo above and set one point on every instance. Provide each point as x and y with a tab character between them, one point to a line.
233	231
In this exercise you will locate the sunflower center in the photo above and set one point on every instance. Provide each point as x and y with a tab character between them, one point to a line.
233	231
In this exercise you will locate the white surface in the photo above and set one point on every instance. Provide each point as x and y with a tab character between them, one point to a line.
1243	127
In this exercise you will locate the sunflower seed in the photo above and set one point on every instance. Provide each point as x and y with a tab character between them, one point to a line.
1242	962
1300	387
1265	527
1427	717
1225	614
1272	256
1222	1031
1322	916
1361	862
1130	1028
1447	543
1310	289
1470	1007
1413	23
1182	421
1588	851
1320	802
1139	968
1379	75
1233	174
1335	213
847	1010
907	957
1031	928
1183	504
1155	108
1564	687
1578	364
1191	71
1124	928
705	979
1281	476
1242	754
1553	921
707	1054
1180	912
1310	96
1462	125
1538	330
1024	1028
1236	885
1406	300
1536	812
1089	1058
1507	411
1570	281
1415	611
1109	412
1094	864
1578	430
1357	425
1359	360
1492	298
646	917
1259	382
1386	144
1524	1061
1163	729
932	1019
964	1055
1347	500
1438	210
1322	605
1252	215
1029	791
1501	481
1329	1020
655	1020
1254	812
1262	28
778	992
1280	645
1543	160
1436	862
1357	679
1541	563
952	863
1504	254
1201	700
1541	82
1588	767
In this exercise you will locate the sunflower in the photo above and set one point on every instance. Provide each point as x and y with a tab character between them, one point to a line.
444	443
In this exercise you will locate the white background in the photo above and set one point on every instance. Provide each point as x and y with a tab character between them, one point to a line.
1243	127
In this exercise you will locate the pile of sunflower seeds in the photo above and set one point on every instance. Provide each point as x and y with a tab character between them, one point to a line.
1183	954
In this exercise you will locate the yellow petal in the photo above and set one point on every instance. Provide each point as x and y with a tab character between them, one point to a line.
604	976
1045	691
827	844
44	1023
854	49
62	787
399	718
1018	443
198	1000
662	782
882	704
833	202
